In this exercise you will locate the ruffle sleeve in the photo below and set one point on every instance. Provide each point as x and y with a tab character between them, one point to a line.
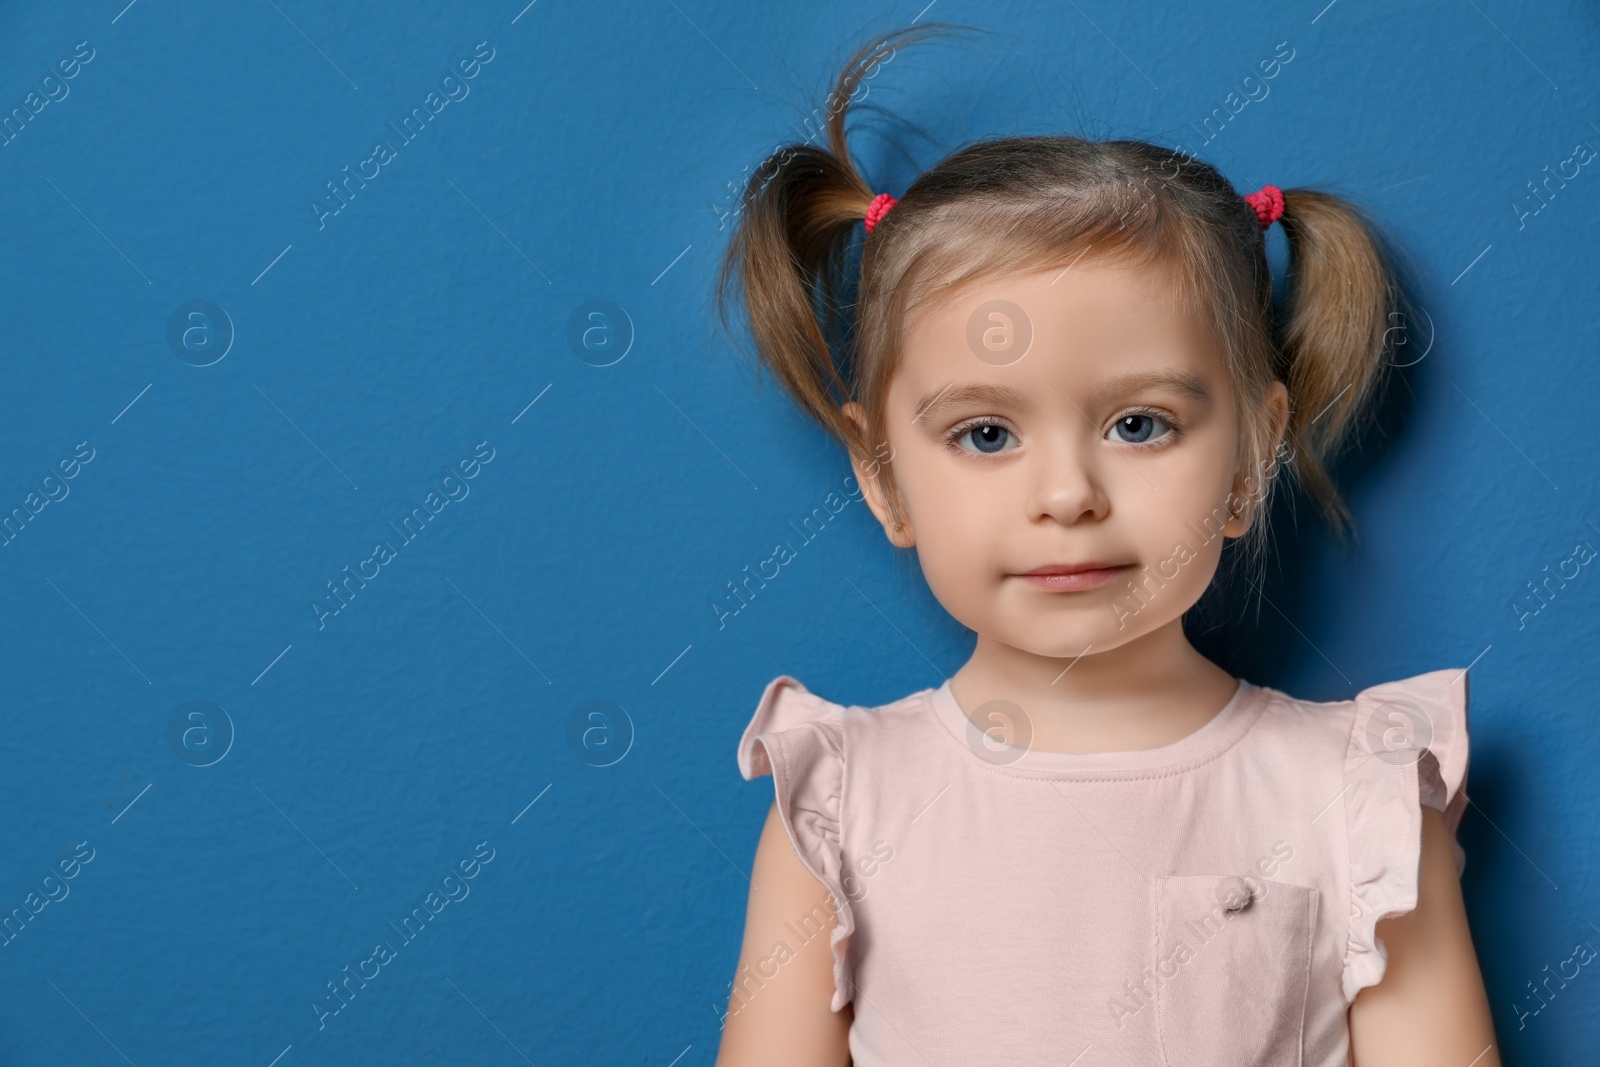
1408	749
798	738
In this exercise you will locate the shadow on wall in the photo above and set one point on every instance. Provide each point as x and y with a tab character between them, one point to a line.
1263	631
1258	635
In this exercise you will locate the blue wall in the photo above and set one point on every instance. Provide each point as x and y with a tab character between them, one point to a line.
410	346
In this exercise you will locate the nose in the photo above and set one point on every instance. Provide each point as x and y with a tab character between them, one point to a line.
1066	483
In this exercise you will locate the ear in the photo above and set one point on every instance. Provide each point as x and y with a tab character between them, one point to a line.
868	470
1276	399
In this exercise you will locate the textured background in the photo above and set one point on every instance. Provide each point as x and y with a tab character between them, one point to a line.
353	759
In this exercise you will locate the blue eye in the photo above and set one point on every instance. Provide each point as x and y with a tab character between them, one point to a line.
987	438
1138	428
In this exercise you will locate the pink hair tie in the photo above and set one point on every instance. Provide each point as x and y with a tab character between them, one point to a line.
1268	204
878	209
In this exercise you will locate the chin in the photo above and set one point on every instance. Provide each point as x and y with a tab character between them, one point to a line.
1064	642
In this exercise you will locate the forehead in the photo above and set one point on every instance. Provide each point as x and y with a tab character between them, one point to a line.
1084	322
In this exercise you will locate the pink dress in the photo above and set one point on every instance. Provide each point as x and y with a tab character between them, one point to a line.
1207	903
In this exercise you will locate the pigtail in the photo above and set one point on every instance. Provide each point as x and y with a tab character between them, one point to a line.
1341	293
788	253
785	260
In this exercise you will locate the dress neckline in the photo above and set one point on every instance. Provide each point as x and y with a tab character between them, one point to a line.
1214	737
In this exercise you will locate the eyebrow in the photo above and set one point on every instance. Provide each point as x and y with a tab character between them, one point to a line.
1185	383
952	395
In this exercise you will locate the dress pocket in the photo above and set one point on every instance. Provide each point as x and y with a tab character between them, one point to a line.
1233	965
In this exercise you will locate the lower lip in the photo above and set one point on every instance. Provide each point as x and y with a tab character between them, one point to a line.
1072	583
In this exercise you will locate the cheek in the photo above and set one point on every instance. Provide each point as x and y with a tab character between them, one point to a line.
964	506
948	509
1182	503
953	511
1175	503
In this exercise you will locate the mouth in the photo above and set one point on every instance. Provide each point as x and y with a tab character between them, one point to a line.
1072	577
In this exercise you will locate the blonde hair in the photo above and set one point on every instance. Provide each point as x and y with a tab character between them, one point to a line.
1021	204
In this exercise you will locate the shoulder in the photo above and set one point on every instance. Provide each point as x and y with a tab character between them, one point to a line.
804	741
788	708
1382	757
1419	722
1404	744
789	717
1406	752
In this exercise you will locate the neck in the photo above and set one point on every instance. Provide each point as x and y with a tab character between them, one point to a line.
1142	694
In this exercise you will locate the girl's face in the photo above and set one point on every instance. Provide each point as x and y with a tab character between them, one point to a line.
1109	446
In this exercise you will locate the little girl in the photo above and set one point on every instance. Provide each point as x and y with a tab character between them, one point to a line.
1067	385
